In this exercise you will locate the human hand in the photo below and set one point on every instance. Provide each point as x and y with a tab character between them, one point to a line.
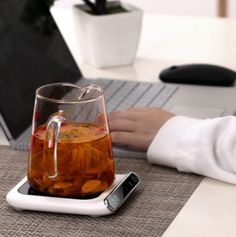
137	127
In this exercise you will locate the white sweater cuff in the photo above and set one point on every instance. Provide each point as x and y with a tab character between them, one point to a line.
164	147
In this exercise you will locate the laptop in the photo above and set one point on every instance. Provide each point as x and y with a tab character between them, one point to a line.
33	53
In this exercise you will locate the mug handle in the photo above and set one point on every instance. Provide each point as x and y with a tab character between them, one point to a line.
50	144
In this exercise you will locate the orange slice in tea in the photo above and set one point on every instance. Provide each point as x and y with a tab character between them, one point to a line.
90	186
62	185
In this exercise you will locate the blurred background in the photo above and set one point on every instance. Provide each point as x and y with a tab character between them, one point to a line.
208	8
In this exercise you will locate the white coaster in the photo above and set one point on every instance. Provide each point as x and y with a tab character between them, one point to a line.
106	203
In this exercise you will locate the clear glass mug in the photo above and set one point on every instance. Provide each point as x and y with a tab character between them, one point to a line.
70	148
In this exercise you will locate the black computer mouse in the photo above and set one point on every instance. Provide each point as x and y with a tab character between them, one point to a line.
200	74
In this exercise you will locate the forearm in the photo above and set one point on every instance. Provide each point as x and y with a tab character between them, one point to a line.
206	147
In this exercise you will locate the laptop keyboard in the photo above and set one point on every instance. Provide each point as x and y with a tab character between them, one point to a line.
122	95
119	95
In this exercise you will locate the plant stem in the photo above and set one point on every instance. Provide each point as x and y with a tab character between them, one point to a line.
101	6
91	5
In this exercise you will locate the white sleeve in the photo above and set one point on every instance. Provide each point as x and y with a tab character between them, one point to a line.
206	147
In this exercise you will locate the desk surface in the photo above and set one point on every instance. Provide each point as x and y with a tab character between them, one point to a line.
146	212
168	40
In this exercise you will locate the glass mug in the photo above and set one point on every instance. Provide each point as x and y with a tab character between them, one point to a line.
70	148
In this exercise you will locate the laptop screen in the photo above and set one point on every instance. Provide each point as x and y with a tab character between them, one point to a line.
32	53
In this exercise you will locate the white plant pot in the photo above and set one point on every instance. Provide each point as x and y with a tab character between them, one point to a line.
108	40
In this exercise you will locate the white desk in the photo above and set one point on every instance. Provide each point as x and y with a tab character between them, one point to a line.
166	40
170	40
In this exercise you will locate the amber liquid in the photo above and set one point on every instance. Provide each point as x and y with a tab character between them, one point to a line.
84	161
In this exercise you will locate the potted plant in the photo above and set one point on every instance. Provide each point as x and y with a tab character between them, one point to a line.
107	32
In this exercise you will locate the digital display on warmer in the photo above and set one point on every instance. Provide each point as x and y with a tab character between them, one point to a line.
118	196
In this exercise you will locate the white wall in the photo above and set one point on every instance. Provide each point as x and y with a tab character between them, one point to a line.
183	7
232	8
179	7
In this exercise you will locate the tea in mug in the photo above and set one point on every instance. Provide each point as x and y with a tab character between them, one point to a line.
84	161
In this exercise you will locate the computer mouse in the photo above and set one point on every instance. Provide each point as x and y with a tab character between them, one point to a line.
199	74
